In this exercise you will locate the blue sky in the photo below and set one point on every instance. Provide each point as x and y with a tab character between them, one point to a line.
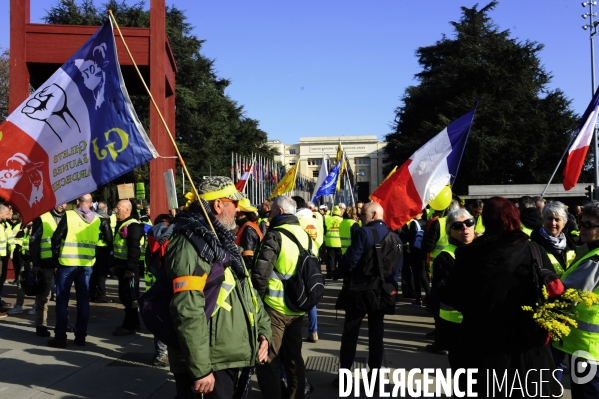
335	68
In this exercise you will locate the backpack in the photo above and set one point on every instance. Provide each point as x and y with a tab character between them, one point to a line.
419	234
374	288
305	288
154	304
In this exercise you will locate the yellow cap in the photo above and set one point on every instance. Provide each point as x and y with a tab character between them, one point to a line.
246	206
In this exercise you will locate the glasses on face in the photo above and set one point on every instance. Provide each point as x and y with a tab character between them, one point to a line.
587	225
229	200
460	225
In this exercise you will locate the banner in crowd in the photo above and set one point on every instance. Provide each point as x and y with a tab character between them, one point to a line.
329	184
420	179
77	131
286	184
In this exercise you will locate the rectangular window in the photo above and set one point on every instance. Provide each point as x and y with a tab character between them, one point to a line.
292	151
362	172
314	173
314	161
292	163
362	161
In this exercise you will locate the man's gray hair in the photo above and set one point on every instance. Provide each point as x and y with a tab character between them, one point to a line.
287	204
342	205
555	208
454	216
310	205
591	209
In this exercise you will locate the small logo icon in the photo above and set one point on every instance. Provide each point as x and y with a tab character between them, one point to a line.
583	370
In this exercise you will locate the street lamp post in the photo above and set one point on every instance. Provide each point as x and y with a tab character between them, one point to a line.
592	26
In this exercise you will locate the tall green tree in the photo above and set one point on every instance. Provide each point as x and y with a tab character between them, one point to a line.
209	125
521	127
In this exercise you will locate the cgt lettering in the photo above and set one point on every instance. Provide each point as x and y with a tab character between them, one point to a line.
111	146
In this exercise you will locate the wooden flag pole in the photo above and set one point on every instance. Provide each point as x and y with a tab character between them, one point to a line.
170	135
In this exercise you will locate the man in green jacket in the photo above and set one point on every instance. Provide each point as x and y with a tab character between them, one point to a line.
211	355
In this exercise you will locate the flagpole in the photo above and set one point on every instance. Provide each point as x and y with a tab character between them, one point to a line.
170	135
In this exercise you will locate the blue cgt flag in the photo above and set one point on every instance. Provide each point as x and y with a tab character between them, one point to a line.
329	186
77	131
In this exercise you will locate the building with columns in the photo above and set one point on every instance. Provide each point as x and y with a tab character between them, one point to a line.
365	155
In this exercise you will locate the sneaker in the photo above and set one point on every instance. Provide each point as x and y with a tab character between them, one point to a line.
42	331
313	337
120	331
33	309
2	315
436	350
5	304
57	344
79	342
17	309
160	360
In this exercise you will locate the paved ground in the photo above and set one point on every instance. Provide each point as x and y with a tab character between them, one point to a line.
117	367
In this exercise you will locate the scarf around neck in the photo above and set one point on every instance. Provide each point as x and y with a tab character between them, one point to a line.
558	243
210	247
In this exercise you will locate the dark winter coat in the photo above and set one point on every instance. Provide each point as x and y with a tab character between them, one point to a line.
559	256
491	280
531	218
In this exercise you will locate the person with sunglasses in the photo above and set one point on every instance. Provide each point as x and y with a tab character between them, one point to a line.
560	247
460	231
584	275
492	278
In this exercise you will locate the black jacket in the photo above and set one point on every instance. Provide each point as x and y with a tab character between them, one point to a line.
491	280
36	239
559	256
531	218
431	235
250	242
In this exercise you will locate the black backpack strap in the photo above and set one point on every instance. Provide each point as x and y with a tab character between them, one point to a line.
378	251
293	238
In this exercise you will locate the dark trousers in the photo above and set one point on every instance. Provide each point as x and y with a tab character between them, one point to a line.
129	294
351	332
4	260
97	282
286	342
225	382
65	277
333	258
420	279
17	261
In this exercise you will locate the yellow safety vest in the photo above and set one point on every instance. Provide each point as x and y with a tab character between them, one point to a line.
586	336
314	229
526	229
284	268
570	256
120	244
113	221
479	227
3	240
345	233
25	240
446	312
79	246
48	228
442	242
332	238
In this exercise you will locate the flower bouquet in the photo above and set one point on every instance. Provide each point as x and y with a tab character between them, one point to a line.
558	314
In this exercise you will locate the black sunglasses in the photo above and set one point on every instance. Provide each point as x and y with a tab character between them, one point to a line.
587	225
460	225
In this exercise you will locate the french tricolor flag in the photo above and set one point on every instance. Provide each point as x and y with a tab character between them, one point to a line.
578	151
420	179
240	185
